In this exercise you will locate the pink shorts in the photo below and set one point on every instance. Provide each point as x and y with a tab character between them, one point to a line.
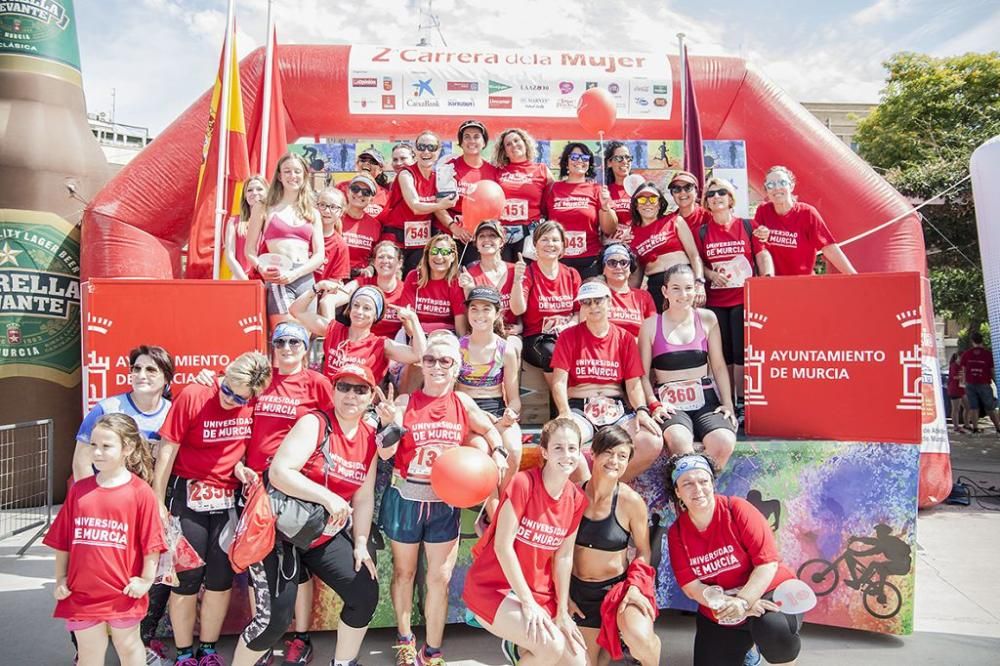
117	623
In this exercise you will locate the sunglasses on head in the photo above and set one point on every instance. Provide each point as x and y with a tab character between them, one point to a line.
150	370
717	193
621	159
440	251
232	395
362	190
773	184
650	199
426	147
618	263
579	157
444	361
687	187
326	206
291	343
359	389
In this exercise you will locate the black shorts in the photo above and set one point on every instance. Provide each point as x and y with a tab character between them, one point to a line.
202	530
980	397
538	350
492	406
576	405
588	595
703	420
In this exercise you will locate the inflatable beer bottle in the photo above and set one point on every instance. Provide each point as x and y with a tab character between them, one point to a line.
47	153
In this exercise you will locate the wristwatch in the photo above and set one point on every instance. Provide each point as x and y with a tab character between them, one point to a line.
501	450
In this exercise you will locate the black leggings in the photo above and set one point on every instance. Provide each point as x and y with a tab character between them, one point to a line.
202	530
654	285
276	580
776	635
538	350
731	329
159	594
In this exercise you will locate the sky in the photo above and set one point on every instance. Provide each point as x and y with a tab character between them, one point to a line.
159	55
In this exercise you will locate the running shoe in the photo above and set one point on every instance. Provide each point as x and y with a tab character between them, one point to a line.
186	661
510	652
265	659
424	660
213	659
297	651
752	657
153	658
406	652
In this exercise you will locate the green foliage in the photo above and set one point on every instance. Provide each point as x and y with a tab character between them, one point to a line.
934	112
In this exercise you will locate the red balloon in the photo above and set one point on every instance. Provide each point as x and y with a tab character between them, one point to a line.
482	201
464	476
596	111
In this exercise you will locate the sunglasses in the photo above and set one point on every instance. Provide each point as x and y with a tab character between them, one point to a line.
617	263
716	193
774	184
291	343
652	199
150	370
681	188
579	157
426	147
358	389
363	191
326	206
440	251
233	395
621	159
591	302
444	361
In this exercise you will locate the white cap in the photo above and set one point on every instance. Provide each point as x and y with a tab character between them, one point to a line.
593	290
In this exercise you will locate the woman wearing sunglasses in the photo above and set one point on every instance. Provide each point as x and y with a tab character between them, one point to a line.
617	167
371	163
360	229
523	181
336	254
732	253
340	477
596	379
435	419
582	207
433	291
661	241
630	306
683	189
413	202
287	224
796	230
196	477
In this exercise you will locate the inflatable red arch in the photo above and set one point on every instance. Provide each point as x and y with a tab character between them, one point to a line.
137	225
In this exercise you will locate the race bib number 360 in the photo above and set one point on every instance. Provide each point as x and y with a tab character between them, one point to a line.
686	396
202	497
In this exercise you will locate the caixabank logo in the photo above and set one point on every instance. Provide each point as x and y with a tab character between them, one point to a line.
39	297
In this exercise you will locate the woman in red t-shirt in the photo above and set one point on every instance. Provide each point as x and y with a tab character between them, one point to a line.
413	202
336	254
661	241
361	229
542	295
596	379
731	253
523	181
108	538
726	542
630	306
237	227
371	164
582	207
518	584
956	393
328	458
197	475
432	290
618	167
796	231
434	419
492	271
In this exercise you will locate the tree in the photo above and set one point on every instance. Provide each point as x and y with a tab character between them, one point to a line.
933	113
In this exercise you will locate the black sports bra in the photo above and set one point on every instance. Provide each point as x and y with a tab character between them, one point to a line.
606	534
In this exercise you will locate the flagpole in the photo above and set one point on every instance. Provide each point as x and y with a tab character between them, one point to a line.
265	125
222	130
680	47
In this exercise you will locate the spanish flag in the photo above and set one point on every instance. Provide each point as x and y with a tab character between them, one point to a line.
201	244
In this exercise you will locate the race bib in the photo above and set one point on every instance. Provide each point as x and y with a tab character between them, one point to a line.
687	396
576	243
334	526
416	233
515	210
602	410
735	270
554	323
420	466
202	497
622	235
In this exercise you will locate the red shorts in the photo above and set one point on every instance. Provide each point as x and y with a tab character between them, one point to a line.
116	623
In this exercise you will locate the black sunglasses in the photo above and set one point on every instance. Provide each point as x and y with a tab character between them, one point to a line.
716	193
363	191
359	389
681	188
426	147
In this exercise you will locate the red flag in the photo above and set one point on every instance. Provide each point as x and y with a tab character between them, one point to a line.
694	153
201	243
277	138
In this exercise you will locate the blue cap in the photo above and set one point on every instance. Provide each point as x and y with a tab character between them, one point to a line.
290	329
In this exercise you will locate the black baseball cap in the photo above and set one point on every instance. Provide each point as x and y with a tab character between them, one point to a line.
476	124
488	294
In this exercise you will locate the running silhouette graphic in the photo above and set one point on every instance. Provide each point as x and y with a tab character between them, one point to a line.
770	509
881	598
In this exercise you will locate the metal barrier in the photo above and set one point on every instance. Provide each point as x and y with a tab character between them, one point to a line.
25	479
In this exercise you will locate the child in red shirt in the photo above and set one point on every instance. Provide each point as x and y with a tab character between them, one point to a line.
108	538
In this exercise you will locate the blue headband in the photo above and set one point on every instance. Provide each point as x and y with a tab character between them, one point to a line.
689	463
374	294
